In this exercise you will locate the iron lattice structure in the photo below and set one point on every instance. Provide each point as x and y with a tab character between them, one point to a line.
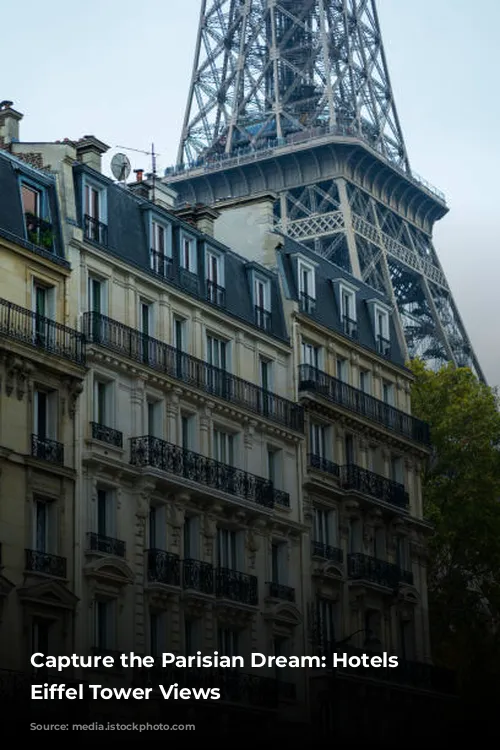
294	97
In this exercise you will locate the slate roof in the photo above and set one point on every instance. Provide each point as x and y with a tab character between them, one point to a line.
12	220
128	239
326	309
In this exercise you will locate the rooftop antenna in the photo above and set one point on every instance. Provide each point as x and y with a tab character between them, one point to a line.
153	156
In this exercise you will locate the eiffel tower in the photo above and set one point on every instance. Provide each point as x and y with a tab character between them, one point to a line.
293	97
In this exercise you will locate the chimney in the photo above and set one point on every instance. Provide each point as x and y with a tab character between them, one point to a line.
9	123
202	217
139	173
89	151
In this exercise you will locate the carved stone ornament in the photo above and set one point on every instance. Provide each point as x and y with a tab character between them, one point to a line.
143	495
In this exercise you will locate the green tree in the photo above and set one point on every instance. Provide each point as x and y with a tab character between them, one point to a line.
461	491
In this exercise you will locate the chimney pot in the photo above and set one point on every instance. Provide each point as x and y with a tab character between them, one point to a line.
139	173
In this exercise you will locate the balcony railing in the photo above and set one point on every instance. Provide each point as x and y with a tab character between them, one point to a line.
414	674
47	450
198	576
323	464
327	552
282	498
164	567
112	335
367	568
383	346
95	230
157	453
161	264
39	232
42	562
368	483
350	327
105	544
29	328
307	303
107	435
239	587
189	281
215	294
278	591
334	390
262	318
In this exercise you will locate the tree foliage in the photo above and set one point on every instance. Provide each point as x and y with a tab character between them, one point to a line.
461	490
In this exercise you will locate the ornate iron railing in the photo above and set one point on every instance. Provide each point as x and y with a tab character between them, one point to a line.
368	568
334	390
39	232
42	562
29	328
157	453
161	264
367	482
215	294
106	544
95	230
327	552
114	336
383	346
164	567
107	434
323	464
263	318
198	575
278	591
189	281
307	303
350	327
239	587
282	498
47	450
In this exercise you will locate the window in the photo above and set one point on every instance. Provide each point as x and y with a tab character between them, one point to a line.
274	466
180	334
307	287
228	549
155	633
154	419
372	628
191	537
161	248
317	440
38	231
379	544
92	204
356	535
265	372
223	449
145	327
187	431
262	303
348	312
188	253
44	526
94	213
45	414
216	352
32	200
325	527
382	333
407	639
104	625
388	392
364	381
191	636
327	615
214	271
40	638
105	513
228	642
403	553
311	355
97	296
157	525
279	562
397	469
342	370
103	403
349	449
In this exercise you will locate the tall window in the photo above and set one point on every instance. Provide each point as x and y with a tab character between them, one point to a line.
32	202
92	202
159	243
325	527
228	642
105	513
278	563
40	638
216	352
104	624
227	549
326	615
364	381
188	254
262	303
311	355
187	431
223	447
154	418
44	414
388	393
342	370
44	536
307	288
317	440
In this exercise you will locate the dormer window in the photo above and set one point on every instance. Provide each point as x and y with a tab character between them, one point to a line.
94	213
188	253
380	314
214	278
262	302
161	248
307	286
345	294
38	230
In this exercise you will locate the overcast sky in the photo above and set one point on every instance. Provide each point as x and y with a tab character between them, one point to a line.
120	70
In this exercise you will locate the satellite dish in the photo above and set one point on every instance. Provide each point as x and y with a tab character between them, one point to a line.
120	166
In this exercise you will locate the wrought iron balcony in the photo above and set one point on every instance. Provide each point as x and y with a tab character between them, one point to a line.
107	434
367	568
350	327
157	453
323	464
334	390
368	483
278	591
239	587
307	303
130	343
42	562
95	230
282	498
198	575
263	318
105	544
29	328
383	346
161	264
189	281
327	552
215	294
39	232
47	450
164	567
